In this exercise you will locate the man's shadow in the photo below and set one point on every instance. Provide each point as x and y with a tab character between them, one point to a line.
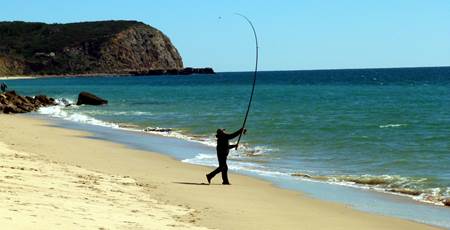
189	183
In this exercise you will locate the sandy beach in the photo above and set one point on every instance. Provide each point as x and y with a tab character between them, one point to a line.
17	77
21	77
55	177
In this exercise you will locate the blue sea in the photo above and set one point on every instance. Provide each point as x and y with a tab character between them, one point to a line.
382	130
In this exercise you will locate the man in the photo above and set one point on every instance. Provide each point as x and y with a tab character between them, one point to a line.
223	148
3	87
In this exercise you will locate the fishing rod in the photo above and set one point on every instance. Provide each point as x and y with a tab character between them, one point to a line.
254	75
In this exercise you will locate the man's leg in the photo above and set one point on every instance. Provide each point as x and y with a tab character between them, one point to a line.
212	174
223	165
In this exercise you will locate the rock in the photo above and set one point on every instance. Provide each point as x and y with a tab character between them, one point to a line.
11	102
446	202
10	109
85	98
44	100
301	175
185	71
406	191
11	93
189	70
128	126
157	129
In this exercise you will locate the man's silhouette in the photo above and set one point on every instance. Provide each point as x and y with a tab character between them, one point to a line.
3	87
223	148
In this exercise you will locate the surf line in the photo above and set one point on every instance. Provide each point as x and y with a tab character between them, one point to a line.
254	75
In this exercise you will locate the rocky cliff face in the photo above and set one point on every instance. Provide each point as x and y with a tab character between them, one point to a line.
11	66
111	47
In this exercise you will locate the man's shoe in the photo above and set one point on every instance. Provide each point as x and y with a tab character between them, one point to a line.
208	178
226	183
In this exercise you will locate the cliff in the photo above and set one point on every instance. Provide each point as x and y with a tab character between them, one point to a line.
104	47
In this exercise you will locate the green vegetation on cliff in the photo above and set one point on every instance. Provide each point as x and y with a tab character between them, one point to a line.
81	48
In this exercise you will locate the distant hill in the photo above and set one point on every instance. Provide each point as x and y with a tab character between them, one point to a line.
110	47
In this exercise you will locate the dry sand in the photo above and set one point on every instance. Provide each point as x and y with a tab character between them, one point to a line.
55	178
37	193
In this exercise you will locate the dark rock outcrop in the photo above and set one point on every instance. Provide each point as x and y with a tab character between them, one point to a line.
301	175
10	102
185	71
157	129
446	202
406	191
85	98
104	47
190	70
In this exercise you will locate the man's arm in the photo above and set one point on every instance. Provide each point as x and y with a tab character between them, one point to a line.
232	146
235	134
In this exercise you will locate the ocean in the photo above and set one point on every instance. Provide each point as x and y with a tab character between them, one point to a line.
383	130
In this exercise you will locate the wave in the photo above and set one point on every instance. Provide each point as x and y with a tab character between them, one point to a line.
118	113
211	160
168	132
246	158
72	113
393	184
391	126
244	149
60	112
258	151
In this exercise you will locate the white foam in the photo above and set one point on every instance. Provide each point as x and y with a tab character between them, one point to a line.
257	150
72	114
430	195
211	160
119	113
391	125
59	112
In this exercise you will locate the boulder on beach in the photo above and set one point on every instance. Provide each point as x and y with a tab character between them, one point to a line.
85	98
11	102
44	100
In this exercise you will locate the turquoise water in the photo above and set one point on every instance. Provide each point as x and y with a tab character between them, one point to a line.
384	129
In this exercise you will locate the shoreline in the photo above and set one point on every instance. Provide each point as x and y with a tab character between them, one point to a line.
245	205
21	77
170	72
367	183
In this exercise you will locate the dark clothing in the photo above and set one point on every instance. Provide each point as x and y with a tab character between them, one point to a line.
223	167
223	148
3	87
223	142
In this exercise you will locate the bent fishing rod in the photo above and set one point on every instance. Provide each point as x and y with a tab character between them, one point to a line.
254	76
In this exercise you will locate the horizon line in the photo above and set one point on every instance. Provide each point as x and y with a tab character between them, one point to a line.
328	69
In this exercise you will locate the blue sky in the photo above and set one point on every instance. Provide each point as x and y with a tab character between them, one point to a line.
313	34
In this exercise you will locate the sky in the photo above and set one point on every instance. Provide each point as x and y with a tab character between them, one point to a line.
293	34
